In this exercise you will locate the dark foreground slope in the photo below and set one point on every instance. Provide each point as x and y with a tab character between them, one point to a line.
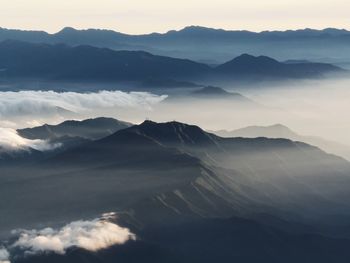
214	240
172	171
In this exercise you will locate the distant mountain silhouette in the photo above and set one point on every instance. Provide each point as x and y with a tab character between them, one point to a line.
27	61
296	61
281	131
216	92
86	63
70	134
201	43
268	67
273	131
92	129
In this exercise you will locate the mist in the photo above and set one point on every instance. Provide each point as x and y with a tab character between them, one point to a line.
10	140
314	108
311	108
4	256
32	108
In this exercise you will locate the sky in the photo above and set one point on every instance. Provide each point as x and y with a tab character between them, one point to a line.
145	16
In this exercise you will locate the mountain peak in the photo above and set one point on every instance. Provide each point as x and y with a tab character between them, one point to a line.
279	126
197	28
172	132
166	125
247	58
67	30
211	90
247	63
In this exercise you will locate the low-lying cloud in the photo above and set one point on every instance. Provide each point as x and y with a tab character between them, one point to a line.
23	108
10	140
92	235
4	256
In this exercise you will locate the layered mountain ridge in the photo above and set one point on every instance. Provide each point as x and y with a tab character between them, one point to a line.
46	62
204	44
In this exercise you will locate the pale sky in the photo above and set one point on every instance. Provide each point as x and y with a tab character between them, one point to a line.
144	16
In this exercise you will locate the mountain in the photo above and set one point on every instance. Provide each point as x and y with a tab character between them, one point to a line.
207	240
70	134
43	62
209	94
161	171
169	182
247	65
201	43
281	131
273	131
92	129
215	92
14	156
86	63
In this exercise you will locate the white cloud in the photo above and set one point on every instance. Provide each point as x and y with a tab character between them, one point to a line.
89	235
11	141
4	256
31	102
25	107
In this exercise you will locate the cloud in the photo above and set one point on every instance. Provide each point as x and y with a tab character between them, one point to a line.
4	256
11	141
51	102
23	108
89	235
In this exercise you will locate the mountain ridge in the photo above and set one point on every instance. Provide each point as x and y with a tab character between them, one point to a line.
45	62
282	131
219	45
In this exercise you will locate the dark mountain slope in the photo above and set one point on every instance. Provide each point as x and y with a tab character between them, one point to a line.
10	157
284	172
60	62
43	62
90	129
163	173
224	240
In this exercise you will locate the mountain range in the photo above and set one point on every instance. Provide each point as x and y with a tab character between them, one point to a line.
281	131
45	62
169	163
169	180
91	129
206	44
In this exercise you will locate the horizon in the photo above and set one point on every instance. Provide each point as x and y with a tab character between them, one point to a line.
176	30
137	17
